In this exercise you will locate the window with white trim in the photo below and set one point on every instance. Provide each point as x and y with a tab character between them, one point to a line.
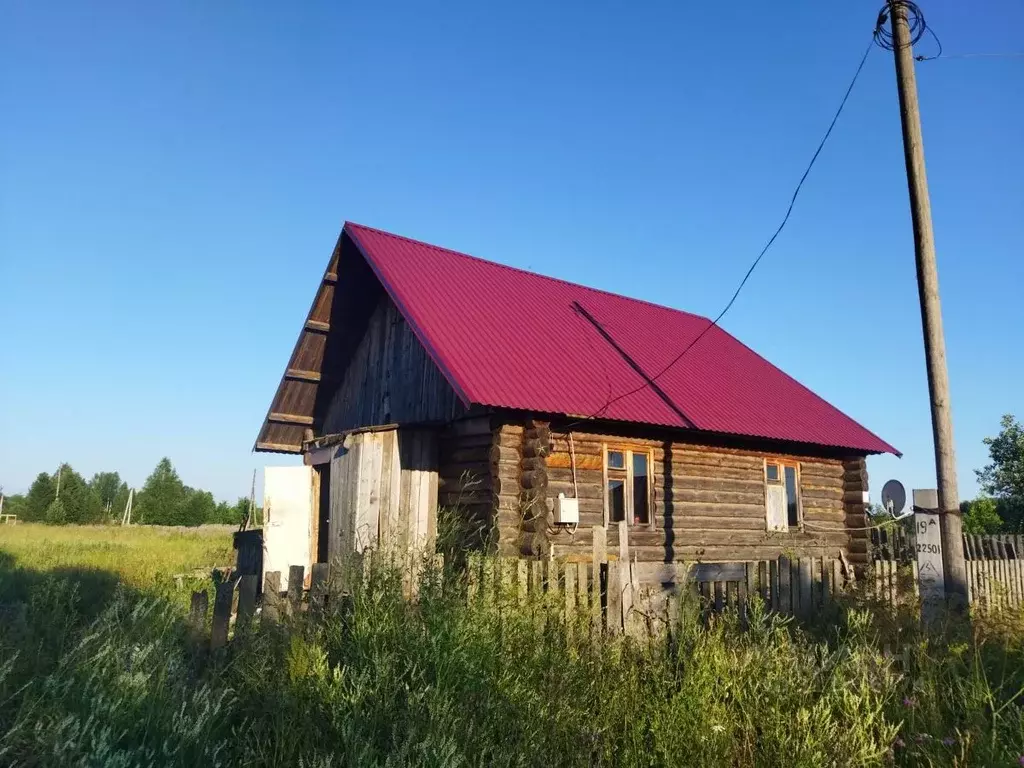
783	511
627	491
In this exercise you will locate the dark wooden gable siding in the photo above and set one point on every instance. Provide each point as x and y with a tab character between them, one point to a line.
389	379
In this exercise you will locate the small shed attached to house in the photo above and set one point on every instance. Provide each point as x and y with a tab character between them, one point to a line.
530	409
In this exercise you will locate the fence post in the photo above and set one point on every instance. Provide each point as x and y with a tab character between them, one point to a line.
582	595
570	594
246	603
785	585
197	614
537	579
985	584
318	581
599	553
488	578
746	588
272	598
1008	585
221	614
774	586
625	585
1004	575
623	534
1011	578
614	615
804	571
296	579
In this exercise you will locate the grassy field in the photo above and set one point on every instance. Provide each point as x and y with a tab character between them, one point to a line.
97	668
143	557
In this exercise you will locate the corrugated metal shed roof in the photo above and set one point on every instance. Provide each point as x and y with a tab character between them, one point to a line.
513	339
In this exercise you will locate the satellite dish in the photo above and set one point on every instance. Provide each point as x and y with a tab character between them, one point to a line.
894	497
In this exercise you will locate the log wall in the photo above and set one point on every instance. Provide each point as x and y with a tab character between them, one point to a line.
708	503
479	481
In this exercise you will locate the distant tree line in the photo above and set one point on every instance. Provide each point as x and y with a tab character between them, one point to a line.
65	497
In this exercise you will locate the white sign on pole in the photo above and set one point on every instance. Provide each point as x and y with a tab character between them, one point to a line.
930	577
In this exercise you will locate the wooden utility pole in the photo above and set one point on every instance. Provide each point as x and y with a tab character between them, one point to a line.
931	311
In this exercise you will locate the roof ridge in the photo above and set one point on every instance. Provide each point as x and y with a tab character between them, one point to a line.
529	272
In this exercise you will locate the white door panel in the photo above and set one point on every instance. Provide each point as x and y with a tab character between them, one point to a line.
288	519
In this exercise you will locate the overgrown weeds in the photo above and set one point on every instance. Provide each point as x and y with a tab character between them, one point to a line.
448	681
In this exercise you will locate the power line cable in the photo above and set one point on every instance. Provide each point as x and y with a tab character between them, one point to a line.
918	26
649	381
915	21
1018	55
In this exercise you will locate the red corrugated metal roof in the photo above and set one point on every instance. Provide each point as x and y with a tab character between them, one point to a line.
514	339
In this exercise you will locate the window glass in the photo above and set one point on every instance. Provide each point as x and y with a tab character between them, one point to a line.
792	499
772	471
616	460
617	500
641	506
640	465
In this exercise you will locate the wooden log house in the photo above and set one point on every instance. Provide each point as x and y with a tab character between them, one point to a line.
423	377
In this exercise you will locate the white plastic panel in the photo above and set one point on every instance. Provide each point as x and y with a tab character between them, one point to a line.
288	519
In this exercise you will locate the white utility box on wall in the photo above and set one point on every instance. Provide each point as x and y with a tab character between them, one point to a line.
567	511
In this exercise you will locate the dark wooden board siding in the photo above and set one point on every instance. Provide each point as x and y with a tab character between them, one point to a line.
709	503
390	379
355	362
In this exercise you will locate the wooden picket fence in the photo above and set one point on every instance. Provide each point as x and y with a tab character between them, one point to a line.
995	584
898	543
614	596
612	593
997	546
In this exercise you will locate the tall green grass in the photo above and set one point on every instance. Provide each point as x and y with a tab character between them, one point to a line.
443	681
141	556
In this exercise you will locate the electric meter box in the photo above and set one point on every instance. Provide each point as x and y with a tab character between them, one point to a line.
567	511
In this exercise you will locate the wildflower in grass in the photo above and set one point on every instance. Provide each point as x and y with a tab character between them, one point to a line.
1021	760
949	741
718	728
899	743
922	737
908	702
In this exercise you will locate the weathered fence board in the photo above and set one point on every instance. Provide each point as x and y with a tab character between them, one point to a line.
221	614
247	585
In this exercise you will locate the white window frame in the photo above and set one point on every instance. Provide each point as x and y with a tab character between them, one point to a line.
628	451
782	464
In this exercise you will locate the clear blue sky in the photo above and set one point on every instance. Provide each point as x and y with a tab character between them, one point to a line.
173	177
